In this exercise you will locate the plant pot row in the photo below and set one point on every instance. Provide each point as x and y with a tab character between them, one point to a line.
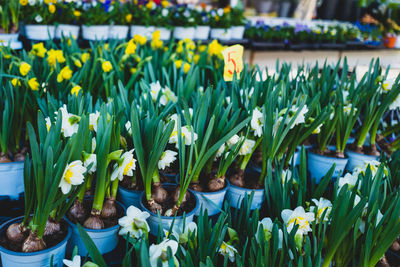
104	32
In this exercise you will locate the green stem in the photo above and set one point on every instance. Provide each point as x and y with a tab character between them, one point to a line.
373	133
156	176
81	193
53	214
89	182
114	188
208	166
245	161
362	137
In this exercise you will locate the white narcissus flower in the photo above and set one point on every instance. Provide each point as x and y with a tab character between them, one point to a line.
220	151
257	122
169	95
347	109
38	18
317	130
93	144
126	167
286	176
233	140
299	217
134	223
373	165
69	123
48	123
187	133
90	159
320	206
73	175
76	262
155	89
167	157
267	226
247	147
301	117
159	252
128	127
180	234
228	250
349	179
93	121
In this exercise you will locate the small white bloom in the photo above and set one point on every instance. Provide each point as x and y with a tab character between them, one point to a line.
169	95
159	252
220	12
349	179
38	18
69	123
48	123
167	157
321	205
134	223
347	109
220	151
93	121
73	175
180	234
125	168
267	226
257	122
299	217
93	144
128	127
228	250
31	2
155	89
187	133
301	117
76	262
286	176
233	140
91	159
395	104
247	147
164	12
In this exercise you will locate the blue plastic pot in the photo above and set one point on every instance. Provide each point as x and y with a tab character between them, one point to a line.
319	165
129	197
12	179
105	239
33	259
235	195
357	159
155	221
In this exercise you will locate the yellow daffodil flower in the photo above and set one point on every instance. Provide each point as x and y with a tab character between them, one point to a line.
15	82
85	57
24	68
65	74
39	50
54	56
33	84
75	90
106	66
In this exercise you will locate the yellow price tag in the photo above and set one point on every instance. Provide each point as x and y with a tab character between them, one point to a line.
233	57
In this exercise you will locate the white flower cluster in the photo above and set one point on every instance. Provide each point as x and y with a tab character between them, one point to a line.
166	94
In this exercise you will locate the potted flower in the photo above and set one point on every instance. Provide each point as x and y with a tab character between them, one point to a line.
150	137
162	21
238	22
220	23
120	19
142	19
202	16
377	98
67	19
208	183
52	176
39	18
9	14
12	155
184	22
96	19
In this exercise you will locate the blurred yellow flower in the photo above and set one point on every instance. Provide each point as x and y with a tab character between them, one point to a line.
156	35
33	84
227	9
75	90
133	70
156	43
52	9
106	66
179	48
78	63
130	48
137	38
77	13
202	48
106	46
150	4
23	2
85	57
215	48
196	58
186	67
128	18
39	50
178	63
15	82
164	4
54	56
24	68
65	74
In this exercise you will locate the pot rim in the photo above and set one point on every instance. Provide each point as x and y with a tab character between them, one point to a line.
170	185
362	154
329	157
246	189
227	184
68	25
40	25
70	223
27	254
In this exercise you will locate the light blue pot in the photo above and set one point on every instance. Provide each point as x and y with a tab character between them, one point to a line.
235	195
12	179
357	159
156	221
105	239
129	197
319	165
33	259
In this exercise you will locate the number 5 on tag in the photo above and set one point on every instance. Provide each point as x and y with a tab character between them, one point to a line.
233	57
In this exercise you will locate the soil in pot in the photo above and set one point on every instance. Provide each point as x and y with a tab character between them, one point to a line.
366	150
49	240
243	179
209	183
18	156
137	185
329	153
87	206
188	204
